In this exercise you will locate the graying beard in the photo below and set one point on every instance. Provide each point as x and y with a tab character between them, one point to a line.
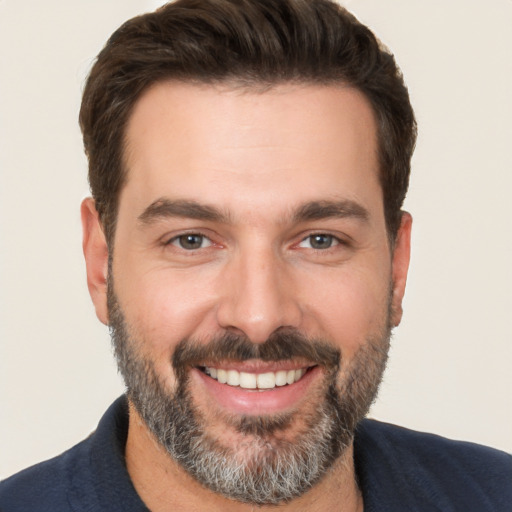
274	472
273	476
278	471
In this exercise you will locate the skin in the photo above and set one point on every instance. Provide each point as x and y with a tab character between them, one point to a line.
257	158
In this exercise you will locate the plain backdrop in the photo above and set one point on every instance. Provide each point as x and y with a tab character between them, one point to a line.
450	368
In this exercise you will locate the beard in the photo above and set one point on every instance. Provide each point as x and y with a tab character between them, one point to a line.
267	467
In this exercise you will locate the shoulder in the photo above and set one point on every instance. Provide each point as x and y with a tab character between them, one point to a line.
45	487
430	447
90	476
454	474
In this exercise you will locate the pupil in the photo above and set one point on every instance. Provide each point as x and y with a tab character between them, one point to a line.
191	241
321	241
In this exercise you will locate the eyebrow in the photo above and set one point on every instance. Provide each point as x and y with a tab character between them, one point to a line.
318	210
314	210
163	208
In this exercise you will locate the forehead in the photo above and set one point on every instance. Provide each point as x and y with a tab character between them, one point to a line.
223	145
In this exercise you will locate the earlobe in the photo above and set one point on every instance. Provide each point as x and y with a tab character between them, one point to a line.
96	257
401	258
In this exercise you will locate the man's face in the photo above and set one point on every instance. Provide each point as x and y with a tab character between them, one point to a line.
251	247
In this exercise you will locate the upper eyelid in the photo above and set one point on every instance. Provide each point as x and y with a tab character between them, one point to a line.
337	239
169	237
204	239
341	238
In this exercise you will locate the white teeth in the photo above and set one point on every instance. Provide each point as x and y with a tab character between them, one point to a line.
222	376
281	378
233	378
247	380
268	380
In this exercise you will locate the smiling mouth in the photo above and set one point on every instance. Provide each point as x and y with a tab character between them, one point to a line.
260	381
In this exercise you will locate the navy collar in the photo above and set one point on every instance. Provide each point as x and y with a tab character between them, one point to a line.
110	483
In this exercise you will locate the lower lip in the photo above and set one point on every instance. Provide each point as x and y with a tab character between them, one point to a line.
256	402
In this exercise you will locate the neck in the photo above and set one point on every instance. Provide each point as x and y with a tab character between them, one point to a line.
164	486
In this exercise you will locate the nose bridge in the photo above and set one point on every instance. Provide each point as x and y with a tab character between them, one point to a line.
258	297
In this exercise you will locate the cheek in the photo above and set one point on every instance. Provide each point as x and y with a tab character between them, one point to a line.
161	310
349	308
164	307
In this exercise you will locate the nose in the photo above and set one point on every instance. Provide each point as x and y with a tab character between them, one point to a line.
258	296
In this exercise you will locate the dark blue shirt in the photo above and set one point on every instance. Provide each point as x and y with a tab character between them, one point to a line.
398	471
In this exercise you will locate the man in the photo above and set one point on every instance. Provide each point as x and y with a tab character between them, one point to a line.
246	245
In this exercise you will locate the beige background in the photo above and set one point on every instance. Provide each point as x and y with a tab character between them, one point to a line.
451	360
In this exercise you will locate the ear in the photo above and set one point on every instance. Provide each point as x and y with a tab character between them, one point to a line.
401	258
96	257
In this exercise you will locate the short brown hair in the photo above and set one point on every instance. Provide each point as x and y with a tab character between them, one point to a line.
252	43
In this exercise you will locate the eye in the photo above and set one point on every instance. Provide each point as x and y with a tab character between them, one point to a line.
191	241
319	241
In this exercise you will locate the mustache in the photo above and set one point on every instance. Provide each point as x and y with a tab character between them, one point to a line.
281	345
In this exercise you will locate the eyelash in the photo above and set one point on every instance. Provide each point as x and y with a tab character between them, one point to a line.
333	241
177	241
